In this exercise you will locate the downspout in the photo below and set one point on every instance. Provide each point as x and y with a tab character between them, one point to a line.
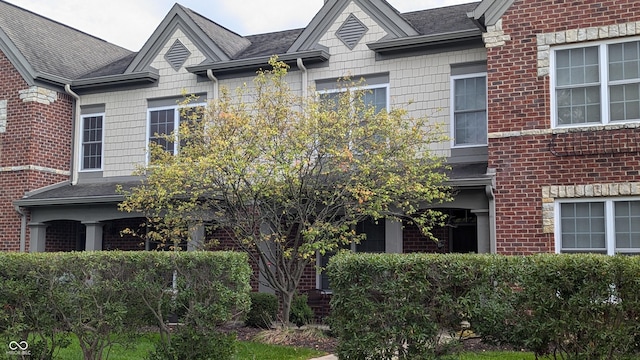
23	228
216	86
76	134
492	219
305	78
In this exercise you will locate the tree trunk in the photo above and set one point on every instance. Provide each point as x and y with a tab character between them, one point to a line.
287	298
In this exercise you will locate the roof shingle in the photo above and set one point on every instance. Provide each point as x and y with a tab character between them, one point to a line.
54	48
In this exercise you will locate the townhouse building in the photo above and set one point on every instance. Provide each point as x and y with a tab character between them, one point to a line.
541	100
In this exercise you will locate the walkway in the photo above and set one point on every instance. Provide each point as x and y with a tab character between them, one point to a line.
327	357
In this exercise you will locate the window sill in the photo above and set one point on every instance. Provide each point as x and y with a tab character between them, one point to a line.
596	127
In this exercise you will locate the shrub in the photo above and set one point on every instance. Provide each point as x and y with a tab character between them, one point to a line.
264	309
96	295
570	306
188	343
388	306
301	312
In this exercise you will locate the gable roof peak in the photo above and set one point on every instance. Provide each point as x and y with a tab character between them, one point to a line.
216	42
379	10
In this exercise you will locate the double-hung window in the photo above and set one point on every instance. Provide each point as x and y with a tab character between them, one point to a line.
596	84
92	140
376	96
469	110
374	87
608	226
164	118
362	100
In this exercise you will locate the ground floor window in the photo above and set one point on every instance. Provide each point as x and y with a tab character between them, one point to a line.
610	226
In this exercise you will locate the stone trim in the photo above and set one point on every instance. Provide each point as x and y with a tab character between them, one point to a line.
39	95
35	168
546	40
533	132
551	193
3	116
495	35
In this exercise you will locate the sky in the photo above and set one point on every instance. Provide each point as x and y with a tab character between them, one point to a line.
129	23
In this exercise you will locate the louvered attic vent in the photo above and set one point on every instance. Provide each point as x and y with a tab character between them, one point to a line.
352	31
177	55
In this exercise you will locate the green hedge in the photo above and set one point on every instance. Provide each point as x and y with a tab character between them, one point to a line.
560	306
102	297
264	310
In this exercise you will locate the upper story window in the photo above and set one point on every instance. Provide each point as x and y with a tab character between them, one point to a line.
374	87
163	122
609	226
164	118
92	142
369	97
596	84
469	110
376	96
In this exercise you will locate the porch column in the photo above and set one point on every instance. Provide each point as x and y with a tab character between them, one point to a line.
93	240
484	236
37	237
196	238
393	237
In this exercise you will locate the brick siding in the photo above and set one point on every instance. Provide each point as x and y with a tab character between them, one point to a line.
526	154
113	239
35	148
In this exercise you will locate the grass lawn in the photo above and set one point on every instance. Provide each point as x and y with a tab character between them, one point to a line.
246	351
257	351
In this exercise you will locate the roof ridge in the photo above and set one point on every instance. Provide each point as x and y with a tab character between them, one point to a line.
275	32
442	7
229	41
206	18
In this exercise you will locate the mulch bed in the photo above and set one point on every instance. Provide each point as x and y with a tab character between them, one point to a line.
329	344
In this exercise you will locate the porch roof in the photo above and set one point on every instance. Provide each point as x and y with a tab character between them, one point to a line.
82	193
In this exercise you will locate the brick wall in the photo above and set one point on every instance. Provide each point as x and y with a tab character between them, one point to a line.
113	239
63	235
526	154
414	242
35	147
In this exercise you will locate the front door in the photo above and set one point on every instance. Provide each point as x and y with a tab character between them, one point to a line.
464	232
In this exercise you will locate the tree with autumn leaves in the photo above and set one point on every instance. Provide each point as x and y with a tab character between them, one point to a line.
288	177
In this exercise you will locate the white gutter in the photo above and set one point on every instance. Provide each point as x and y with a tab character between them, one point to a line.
23	228
305	78
76	134
216	86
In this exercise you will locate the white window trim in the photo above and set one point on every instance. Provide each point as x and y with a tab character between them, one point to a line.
360	88
176	122
603	58
609	225
452	110
81	152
